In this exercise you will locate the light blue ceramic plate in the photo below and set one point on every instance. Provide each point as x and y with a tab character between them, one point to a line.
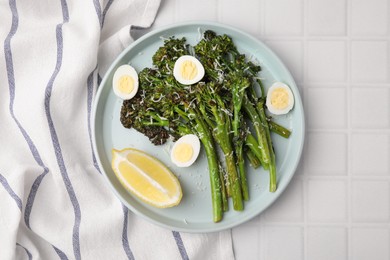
194	214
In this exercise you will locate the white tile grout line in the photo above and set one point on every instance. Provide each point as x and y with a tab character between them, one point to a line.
387	39
388	21
218	11
176	11
336	224
263	6
349	141
377	130
388	75
328	37
304	101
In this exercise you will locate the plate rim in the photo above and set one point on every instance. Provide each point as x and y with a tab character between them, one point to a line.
97	98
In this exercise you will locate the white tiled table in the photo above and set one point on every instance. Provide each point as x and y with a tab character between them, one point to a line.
338	204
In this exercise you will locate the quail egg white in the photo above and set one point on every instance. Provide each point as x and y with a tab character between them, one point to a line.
125	82
280	99
188	70
185	150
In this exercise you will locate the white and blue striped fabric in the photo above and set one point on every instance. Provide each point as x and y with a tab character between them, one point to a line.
54	202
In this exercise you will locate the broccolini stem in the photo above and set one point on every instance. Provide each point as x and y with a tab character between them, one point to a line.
184	130
225	204
215	181
236	122
234	182
260	132
253	145
242	172
206	118
212	159
222	138
272	164
237	94
155	120
253	160
181	113
278	129
263	95
155	123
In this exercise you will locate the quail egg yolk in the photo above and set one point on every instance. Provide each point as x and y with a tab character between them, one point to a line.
126	84
279	98
188	70
183	152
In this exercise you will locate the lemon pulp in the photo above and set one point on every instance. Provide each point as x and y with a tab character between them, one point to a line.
146	177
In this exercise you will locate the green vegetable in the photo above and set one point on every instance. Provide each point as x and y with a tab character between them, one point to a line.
278	129
272	163
221	110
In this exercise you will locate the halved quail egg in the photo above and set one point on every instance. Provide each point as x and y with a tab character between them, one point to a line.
280	99
185	150
188	70
125	82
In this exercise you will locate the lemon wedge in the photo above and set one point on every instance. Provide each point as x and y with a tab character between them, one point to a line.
146	177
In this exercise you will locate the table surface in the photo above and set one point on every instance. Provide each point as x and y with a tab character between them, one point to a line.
338	203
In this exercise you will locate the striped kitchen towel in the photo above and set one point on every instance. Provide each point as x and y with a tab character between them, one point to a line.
54	202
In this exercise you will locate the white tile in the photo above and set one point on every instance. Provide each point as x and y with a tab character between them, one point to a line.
291	53
369	61
299	171
370	201
370	154
326	108
327	200
246	241
289	206
232	12
283	243
370	107
370	243
326	154
326	61
324	243
166	14
185	10
326	17
369	17
283	17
